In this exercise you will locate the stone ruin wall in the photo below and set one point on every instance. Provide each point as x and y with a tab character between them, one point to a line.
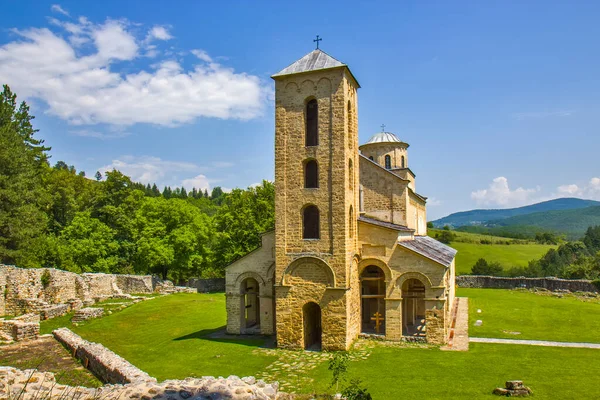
22	290
552	284
124	380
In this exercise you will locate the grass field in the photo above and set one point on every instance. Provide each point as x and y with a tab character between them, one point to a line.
173	337
514	255
534	316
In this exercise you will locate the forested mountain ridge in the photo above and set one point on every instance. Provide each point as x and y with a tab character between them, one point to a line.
494	216
53	216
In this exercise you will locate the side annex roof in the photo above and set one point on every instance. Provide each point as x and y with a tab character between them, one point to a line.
430	248
384	224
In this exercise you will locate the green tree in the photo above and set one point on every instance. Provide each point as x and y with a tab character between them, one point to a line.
173	238
482	267
241	218
446	236
23	163
86	245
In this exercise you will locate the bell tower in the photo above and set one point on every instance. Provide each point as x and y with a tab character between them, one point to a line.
316	204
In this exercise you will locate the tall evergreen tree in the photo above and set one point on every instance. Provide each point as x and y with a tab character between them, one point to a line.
23	163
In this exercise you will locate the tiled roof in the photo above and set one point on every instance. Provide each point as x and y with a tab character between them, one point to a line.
315	60
431	249
384	137
384	224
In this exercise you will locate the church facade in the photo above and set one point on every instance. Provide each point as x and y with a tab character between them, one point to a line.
350	252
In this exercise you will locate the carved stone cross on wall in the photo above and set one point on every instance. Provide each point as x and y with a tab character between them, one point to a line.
378	318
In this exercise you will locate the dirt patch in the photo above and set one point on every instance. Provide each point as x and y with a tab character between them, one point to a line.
47	355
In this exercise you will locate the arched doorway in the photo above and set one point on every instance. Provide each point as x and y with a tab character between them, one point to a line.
372	299
250	306
413	308
312	326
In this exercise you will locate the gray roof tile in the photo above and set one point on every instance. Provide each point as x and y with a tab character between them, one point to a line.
431	249
315	60
384	224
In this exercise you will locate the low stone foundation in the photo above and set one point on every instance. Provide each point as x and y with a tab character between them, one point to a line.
32	384
497	282
106	365
36	290
207	285
21	328
513	389
55	311
87	313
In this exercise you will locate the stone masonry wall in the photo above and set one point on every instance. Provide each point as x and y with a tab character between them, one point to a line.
106	365
207	285
24	290
553	284
33	385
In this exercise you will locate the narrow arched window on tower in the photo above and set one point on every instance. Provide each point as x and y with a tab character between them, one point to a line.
403	165
351	222
312	123
388	162
310	222
350	131
311	174
351	173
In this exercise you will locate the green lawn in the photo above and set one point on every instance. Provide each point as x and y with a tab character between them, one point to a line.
415	373
514	255
538	317
167	337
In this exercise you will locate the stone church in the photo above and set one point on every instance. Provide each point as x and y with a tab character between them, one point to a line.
350	253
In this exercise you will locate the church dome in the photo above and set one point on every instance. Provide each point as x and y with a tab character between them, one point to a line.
384	137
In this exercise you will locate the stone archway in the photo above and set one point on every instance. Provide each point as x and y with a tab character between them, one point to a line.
311	315
372	300
250	306
413	308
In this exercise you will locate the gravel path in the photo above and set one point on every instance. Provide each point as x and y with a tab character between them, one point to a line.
535	343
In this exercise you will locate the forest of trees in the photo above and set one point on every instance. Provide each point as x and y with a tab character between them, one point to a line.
54	216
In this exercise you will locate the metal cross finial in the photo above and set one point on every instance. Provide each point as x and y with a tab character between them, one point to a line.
317	40
382	127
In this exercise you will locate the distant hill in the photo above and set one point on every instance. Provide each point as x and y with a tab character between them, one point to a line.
485	217
572	223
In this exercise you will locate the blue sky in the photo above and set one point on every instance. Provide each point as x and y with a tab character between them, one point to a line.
498	100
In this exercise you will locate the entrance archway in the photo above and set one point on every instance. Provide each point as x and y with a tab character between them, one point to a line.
413	308
372	300
312	326
250	306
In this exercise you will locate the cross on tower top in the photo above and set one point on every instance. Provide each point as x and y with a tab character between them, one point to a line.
382	127
317	40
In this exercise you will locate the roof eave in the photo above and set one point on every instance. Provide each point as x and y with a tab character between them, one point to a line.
280	75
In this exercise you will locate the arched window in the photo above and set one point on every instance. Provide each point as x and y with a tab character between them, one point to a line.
388	162
349	124
351	222
351	173
403	166
312	123
310	222
311	174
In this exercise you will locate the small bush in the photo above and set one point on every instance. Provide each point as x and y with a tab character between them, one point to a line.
482	267
354	391
45	278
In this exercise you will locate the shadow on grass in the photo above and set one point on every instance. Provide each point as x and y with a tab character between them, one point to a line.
220	335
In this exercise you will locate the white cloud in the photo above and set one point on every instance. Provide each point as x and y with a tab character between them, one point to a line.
591	190
198	182
148	169
499	194
58	9
160	33
543	114
77	69
433	202
202	55
112	134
